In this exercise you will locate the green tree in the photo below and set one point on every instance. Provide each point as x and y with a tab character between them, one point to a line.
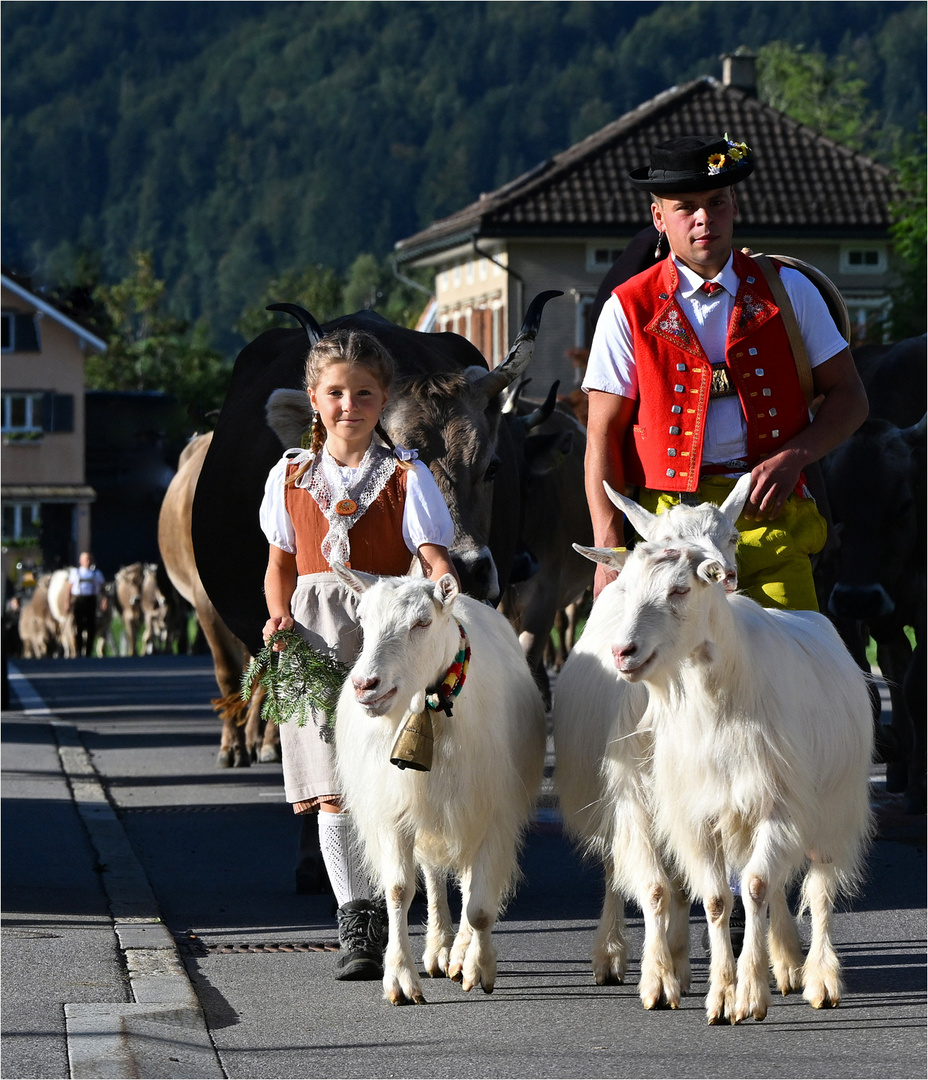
150	350
826	94
316	289
910	237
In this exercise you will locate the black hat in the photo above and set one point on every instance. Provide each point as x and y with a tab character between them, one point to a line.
694	163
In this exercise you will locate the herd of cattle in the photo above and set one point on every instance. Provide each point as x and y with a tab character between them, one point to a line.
152	620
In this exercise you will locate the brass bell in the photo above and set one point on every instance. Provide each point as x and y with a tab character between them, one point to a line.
413	746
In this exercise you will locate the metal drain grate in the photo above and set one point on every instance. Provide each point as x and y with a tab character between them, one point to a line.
194	946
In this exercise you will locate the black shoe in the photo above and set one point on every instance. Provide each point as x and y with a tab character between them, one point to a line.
362	934
736	924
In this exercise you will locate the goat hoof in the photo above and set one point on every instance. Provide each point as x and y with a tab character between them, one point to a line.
269	755
224	759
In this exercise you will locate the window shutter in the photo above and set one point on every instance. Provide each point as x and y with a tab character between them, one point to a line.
25	334
57	412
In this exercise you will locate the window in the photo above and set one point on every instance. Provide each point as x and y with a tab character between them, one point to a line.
600	257
20	520
18	332
22	415
863	260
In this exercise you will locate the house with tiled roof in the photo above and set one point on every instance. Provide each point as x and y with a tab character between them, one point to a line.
45	497
562	224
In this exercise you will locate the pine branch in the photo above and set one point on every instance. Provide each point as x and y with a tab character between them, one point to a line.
298	681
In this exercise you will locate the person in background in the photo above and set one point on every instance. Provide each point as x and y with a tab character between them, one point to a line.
86	583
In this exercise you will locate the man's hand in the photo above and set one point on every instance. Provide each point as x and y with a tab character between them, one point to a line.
603	576
773	481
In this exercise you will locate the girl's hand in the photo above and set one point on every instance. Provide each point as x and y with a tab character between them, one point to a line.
277	622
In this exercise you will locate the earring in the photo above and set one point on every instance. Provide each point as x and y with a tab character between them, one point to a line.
657	248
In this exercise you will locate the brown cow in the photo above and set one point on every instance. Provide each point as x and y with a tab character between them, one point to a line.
129	596
240	722
38	629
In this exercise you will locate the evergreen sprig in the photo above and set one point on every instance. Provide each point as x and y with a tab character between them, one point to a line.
297	681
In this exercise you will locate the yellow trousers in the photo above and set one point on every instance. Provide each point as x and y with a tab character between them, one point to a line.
772	556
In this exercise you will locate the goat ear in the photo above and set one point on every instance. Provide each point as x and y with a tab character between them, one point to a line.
642	520
446	589
614	557
711	570
355	580
737	497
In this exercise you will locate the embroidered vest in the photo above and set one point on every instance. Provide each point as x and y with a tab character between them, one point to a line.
377	544
664	447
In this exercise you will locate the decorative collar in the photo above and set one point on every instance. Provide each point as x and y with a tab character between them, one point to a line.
439	699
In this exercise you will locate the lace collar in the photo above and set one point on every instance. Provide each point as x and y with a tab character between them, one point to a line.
344	495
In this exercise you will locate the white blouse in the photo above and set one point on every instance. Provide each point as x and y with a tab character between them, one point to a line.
426	519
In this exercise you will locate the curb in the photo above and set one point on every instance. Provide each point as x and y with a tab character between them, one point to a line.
162	1033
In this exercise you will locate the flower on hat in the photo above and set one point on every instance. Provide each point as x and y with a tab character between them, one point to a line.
737	152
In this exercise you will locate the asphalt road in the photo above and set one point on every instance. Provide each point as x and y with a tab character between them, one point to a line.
217	850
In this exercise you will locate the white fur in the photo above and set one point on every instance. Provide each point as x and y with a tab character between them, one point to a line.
602	758
761	735
464	818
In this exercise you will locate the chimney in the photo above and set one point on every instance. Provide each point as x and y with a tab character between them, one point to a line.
739	69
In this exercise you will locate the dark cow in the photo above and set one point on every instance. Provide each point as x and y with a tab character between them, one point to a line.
554	512
445	404
874	582
241	723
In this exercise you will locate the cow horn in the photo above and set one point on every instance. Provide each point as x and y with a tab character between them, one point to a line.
512	395
521	352
916	433
539	415
303	317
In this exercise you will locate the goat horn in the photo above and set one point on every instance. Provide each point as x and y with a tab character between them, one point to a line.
303	317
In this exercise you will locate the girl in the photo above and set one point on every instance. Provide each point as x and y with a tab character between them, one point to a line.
347	498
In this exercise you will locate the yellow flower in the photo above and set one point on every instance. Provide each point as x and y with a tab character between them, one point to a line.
716	163
735	153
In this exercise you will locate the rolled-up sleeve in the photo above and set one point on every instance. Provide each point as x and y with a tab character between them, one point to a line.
426	518
275	521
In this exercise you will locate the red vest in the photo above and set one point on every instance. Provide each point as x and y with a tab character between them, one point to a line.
665	443
376	538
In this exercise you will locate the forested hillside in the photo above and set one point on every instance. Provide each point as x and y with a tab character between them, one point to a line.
239	141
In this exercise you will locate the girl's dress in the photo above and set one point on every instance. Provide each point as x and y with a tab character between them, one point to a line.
374	518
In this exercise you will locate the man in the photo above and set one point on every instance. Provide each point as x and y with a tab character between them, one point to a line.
86	583
691	380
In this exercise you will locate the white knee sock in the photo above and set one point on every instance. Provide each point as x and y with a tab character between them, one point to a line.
339	845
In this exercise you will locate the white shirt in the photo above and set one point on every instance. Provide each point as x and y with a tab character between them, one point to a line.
85	580
612	367
426	519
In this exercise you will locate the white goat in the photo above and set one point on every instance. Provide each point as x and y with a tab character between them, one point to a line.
761	738
468	814
601	774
